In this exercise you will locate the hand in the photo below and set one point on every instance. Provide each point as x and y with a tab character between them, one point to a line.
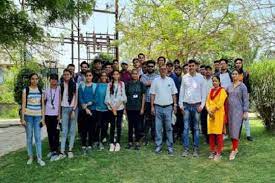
149	83
211	115
23	122
199	109
141	111
43	121
72	115
153	110
245	115
175	109
88	112
182	110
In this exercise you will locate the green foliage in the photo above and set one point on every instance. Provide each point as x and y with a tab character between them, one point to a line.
7	87
184	29
106	57
9	113
263	91
22	80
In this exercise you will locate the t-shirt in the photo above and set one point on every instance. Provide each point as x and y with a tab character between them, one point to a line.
134	91
100	94
225	80
65	102
34	107
52	101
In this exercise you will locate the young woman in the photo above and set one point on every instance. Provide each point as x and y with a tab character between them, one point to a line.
115	100
52	115
33	117
237	110
135	92
86	98
215	119
68	114
102	113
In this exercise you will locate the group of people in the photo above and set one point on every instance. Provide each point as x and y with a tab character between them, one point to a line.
161	101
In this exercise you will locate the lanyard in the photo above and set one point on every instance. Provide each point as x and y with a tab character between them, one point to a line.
52	97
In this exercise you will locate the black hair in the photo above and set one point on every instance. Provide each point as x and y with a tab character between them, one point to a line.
115	60
223	59
218	77
33	74
97	60
107	63
134	59
84	62
178	67
71	87
141	54
240	59
70	65
217	61
202	66
184	65
177	60
150	62
88	71
208	67
112	85
192	61
54	76
160	58
169	63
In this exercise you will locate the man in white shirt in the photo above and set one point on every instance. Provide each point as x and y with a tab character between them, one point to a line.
163	95
191	101
225	74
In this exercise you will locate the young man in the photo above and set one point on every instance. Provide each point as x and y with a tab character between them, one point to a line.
191	101
125	75
225	74
137	66
202	70
217	67
115	65
144	68
185	69
170	69
244	77
141	58
80	76
108	69
176	63
147	79
163	102
160	62
97	68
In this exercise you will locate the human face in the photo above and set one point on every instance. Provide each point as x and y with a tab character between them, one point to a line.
108	69
103	78
84	68
116	75
192	68
208	72
170	68
124	67
235	76
178	71
186	69
67	76
144	68
134	75
141	58
136	64
216	82
98	66
150	68
71	68
53	82
89	77
34	80
238	64
161	62
223	65
217	66
202	71
163	71
115	65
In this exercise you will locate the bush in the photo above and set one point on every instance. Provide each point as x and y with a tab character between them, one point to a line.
263	91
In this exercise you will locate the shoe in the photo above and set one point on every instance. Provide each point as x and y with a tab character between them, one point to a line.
185	153
249	138
233	154
88	149
225	137
196	153
170	152
41	162
30	160
54	157
61	156
49	155
137	146
217	157
104	140
146	143
70	154
101	146
95	145
211	155
158	150
117	148
84	150
129	146
112	147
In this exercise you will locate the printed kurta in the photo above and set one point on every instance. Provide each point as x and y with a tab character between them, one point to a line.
238	103
215	125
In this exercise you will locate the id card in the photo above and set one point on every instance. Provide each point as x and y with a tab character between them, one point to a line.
135	96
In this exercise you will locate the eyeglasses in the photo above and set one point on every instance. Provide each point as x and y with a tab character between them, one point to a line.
150	66
89	75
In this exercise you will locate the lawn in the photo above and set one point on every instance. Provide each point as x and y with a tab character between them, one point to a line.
254	163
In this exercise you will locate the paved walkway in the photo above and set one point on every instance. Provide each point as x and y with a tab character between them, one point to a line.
13	136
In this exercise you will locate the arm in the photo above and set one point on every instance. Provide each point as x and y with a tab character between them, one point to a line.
203	94
107	97
43	108
142	104
76	99
81	99
23	107
59	106
181	95
152	104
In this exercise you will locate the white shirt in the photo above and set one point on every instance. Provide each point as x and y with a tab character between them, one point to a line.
64	101
118	97
225	80
192	90
163	89
209	85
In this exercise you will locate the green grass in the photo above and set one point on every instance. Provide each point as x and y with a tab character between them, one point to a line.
254	163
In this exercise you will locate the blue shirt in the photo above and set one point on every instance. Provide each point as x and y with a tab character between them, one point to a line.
100	94
87	95
177	80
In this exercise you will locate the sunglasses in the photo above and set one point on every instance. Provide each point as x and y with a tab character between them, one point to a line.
150	66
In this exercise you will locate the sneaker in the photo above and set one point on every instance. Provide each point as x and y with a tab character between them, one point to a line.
104	140
249	138
196	153
95	145
49	155
41	162
211	155
233	154
217	157
89	149
129	146
137	146
70	154
61	156
158	150
112	147
101	146
30	160
117	148
84	150
170	152
185	153
54	157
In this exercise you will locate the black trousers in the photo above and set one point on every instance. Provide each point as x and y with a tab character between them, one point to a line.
80	121
116	123
53	133
103	118
134	125
178	127
204	114
149	123
88	129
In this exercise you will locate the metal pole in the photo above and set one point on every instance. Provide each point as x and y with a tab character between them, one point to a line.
72	41
116	33
78	36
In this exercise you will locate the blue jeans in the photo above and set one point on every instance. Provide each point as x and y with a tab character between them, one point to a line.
33	127
163	115
247	127
68	128
191	118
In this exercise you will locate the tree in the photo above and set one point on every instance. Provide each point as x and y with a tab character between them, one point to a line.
202	29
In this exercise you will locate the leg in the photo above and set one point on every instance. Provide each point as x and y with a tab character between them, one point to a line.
37	136
65	124
119	124
50	131
186	126
204	123
55	134
29	133
212	143
112	129
247	127
219	143
168	126
72	132
131	119
235	144
195	122
158	125
84	130
93	132
137	125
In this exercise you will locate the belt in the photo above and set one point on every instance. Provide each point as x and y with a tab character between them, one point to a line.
163	106
195	104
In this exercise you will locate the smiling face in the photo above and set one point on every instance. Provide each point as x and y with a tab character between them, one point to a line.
34	80
116	75
103	77
89	77
238	64
163	71
84	68
67	75
216	82
192	68
235	75
134	75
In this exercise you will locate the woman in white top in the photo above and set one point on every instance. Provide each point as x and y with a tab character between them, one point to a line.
115	100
